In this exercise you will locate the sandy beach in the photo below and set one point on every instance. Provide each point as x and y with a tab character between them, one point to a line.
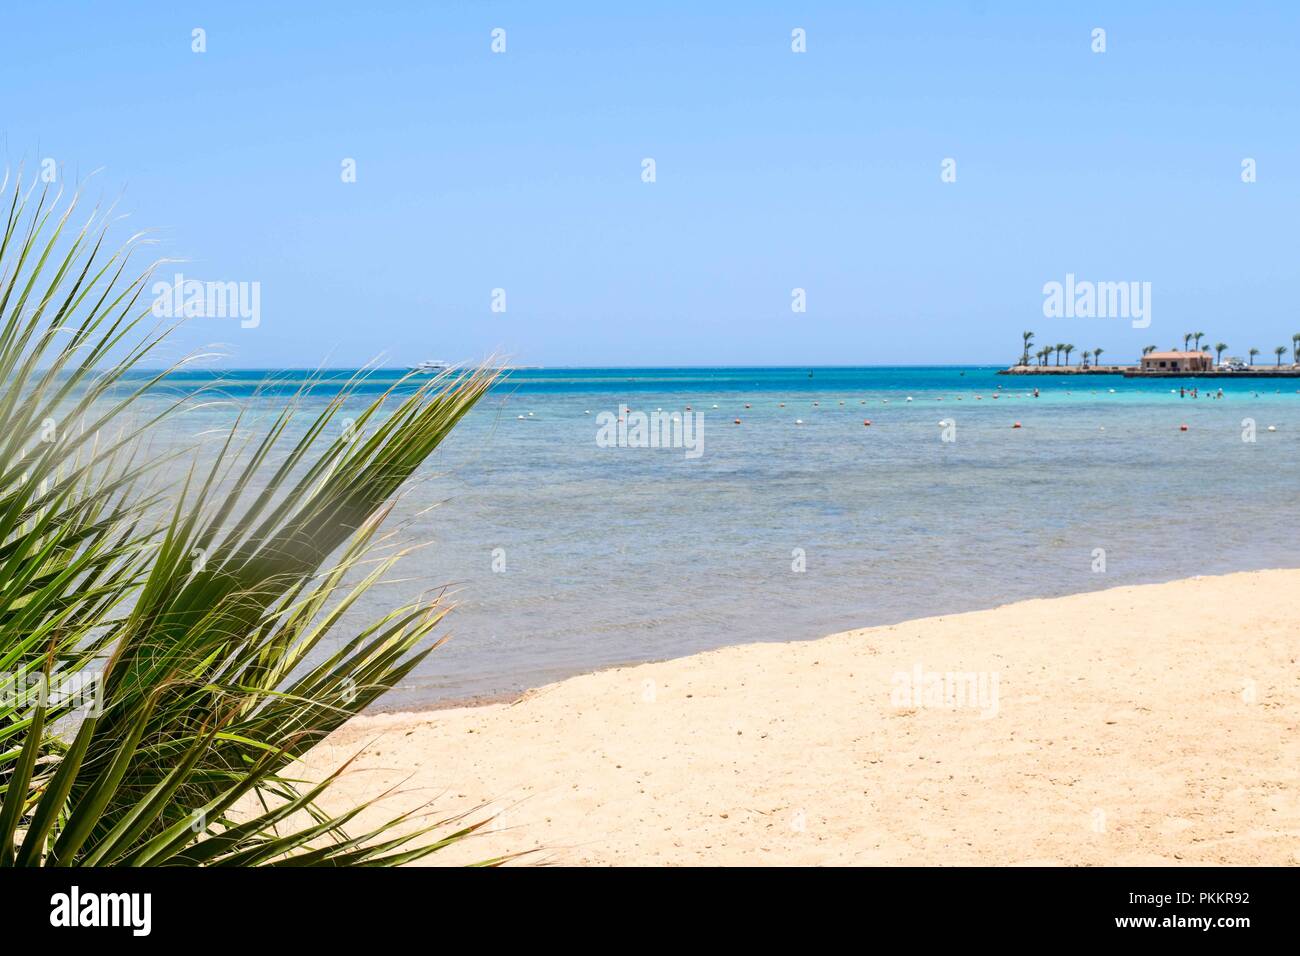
1156	725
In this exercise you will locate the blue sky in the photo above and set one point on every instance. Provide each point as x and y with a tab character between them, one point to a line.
775	171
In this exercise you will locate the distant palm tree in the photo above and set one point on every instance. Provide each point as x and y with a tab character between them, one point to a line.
1096	356
1279	352
1219	349
1029	340
1198	336
1295	348
1058	347
1042	355
1187	338
1068	350
1147	350
1253	353
1086	356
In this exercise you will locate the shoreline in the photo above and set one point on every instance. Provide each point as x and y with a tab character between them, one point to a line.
513	695
1140	724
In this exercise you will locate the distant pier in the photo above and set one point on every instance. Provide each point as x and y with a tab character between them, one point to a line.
1134	371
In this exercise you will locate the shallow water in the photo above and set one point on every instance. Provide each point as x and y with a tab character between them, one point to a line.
619	554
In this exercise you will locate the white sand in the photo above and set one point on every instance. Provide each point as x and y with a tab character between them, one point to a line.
1139	725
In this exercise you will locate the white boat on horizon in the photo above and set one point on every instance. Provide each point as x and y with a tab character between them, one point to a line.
429	366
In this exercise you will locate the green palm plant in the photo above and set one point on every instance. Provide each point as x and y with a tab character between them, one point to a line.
1295	349
195	600
1086	356
1219	349
1148	349
1067	349
1279	352
1187	341
1197	336
1253	352
1028	338
1096	355
1059	347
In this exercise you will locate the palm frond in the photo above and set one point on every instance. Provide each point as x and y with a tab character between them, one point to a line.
197	597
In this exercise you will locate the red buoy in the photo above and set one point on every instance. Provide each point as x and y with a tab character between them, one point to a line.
1016	425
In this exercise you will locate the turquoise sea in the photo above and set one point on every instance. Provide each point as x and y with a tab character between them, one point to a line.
565	556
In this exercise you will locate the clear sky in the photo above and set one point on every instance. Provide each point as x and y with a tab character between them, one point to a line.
774	170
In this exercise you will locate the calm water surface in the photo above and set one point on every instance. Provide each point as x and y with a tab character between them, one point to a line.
615	555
